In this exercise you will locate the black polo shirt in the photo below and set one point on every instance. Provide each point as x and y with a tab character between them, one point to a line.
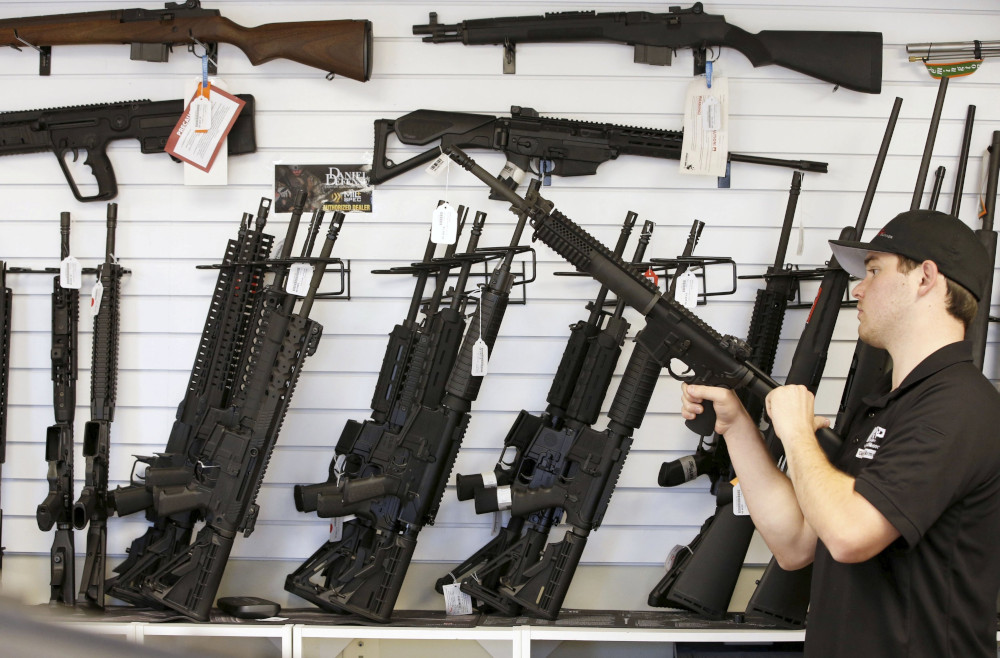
927	456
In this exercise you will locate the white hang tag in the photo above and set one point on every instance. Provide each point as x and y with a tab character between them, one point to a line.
489	480
96	294
802	236
497	523
711	114
299	276
456	602
672	555
337	529
201	113
278	245
739	502
480	358
705	146
70	273
437	167
686	293
444	224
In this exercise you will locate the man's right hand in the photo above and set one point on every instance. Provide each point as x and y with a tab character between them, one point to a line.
729	411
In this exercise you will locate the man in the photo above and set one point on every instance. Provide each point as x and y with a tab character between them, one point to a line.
904	526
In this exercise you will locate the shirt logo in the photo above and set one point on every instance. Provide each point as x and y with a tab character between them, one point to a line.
868	452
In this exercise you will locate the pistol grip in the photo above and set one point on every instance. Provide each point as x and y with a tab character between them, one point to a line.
100	166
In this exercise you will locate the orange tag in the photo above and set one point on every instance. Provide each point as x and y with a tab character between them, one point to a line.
651	275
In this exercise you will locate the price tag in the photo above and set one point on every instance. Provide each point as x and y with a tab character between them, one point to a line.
278	244
711	114
70	273
201	114
504	498
489	480
739	502
705	145
652	276
337	529
96	294
480	358
686	293
456	602
299	277
441	164
444	224
672	555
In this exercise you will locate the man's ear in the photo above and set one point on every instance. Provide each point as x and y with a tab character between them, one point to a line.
929	277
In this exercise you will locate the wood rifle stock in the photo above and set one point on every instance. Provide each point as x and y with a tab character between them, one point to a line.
341	47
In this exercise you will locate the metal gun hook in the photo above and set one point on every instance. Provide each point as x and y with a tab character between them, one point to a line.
30	45
197	42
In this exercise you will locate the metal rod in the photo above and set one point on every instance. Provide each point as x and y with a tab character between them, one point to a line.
963	161
925	161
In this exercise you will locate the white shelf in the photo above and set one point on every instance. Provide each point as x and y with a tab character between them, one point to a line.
514	641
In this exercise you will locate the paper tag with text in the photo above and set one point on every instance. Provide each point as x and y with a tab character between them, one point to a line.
480	358
444	224
705	145
739	502
456	602
201	110
299	278
686	293
336	529
439	165
200	148
70	273
96	294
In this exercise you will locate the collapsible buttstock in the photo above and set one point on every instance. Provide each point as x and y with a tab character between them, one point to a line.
545	591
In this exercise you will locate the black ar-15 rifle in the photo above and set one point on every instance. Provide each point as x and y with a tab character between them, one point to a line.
571	469
849	59
211	386
225	466
93	505
671	331
57	508
5	314
577	390
572	148
69	130
395	471
341	47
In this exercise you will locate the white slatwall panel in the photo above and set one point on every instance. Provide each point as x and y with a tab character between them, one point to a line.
166	229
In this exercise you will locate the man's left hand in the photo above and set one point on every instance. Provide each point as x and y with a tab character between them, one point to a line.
791	410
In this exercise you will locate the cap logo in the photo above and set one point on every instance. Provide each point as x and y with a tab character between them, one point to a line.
883	234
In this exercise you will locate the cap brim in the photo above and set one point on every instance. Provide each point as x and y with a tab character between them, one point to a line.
851	256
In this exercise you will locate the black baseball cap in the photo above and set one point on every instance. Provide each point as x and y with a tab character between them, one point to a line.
925	235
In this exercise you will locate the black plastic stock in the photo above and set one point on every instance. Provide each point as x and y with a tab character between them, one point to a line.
852	60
